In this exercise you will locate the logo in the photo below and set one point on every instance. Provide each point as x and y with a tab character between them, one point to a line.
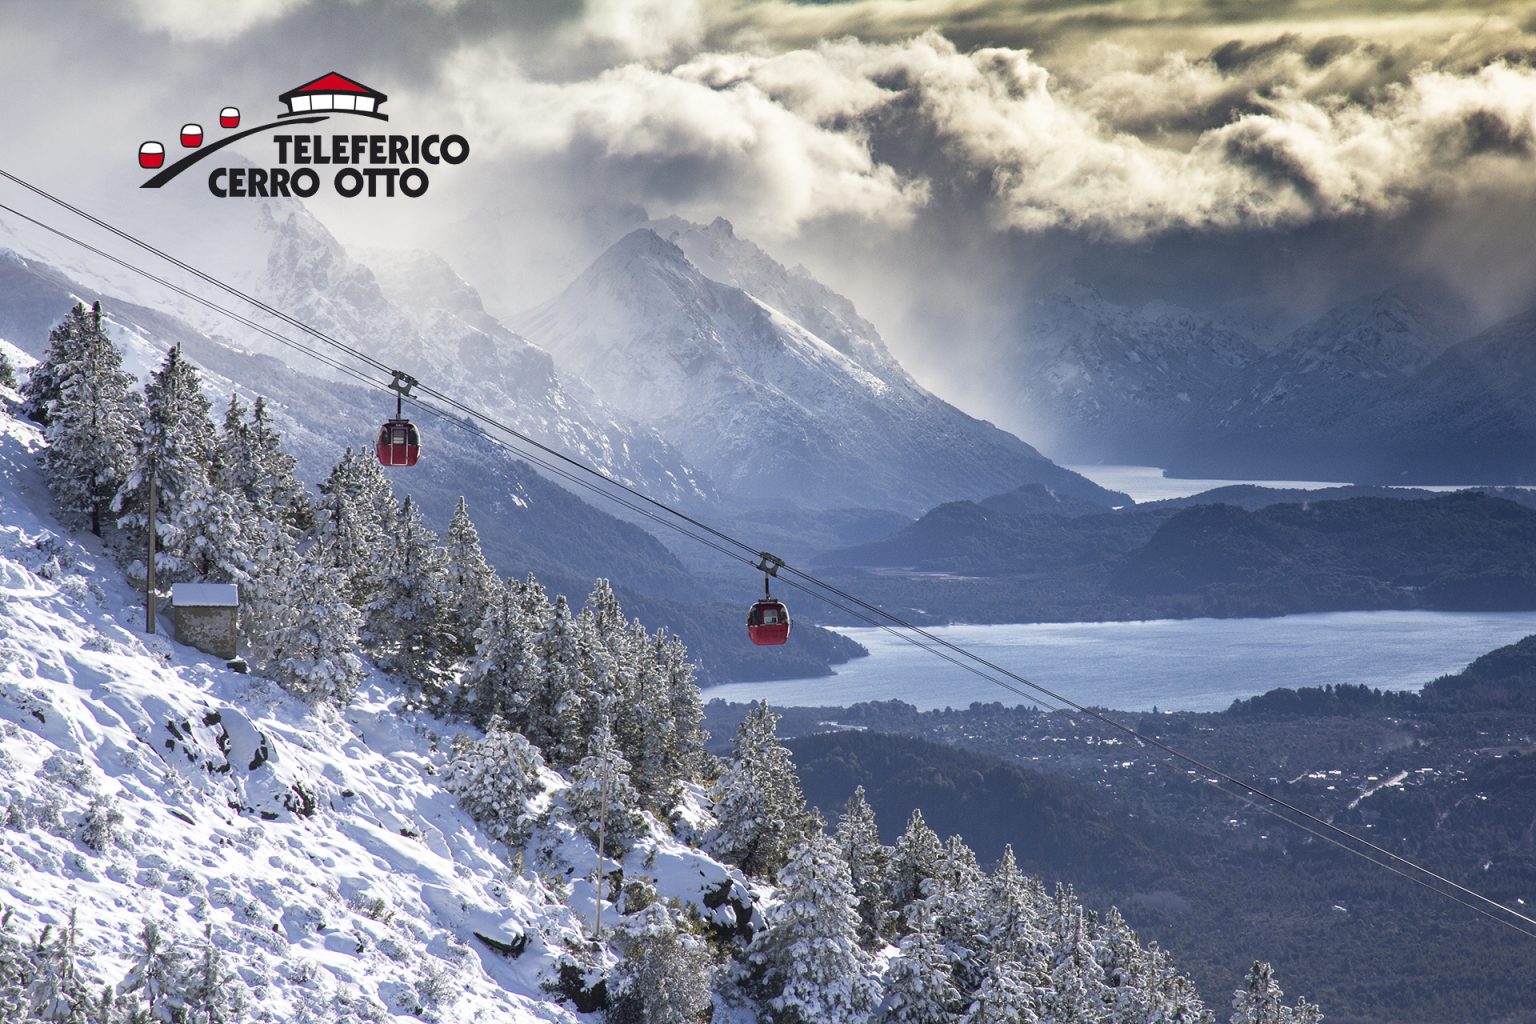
367	164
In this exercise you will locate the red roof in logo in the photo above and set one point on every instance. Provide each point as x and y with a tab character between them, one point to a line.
332	82
332	91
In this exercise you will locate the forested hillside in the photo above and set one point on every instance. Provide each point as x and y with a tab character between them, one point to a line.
422	780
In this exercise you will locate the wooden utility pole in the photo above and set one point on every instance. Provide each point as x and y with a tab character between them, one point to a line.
149	575
602	821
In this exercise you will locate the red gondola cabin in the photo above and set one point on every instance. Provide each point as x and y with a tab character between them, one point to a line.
399	443
768	622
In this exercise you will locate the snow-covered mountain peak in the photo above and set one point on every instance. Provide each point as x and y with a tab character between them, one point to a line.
742	381
723	256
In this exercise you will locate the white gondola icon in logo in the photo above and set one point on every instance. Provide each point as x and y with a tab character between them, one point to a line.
229	117
151	155
191	135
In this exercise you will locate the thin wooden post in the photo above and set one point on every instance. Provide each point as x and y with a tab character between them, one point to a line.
149	575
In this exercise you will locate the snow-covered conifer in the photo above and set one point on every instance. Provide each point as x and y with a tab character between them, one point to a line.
1006	996
93	419
41	389
497	780
757	799
471	583
407	616
665	977
602	796
499	680
915	861
214	993
158	975
919	986
311	644
17	969
59	990
858	840
809	959
355	523
197	524
686	755
1260	1001
7	372
557	710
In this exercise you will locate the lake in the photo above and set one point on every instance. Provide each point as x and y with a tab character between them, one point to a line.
1147	483
1173	664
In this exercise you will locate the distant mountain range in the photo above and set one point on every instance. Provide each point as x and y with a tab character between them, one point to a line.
1393	387
1269	552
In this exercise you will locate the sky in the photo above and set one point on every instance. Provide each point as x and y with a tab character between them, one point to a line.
942	163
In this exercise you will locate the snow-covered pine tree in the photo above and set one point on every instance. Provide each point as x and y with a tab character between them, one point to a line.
603	664
1014	914
311	642
158	975
958	897
499	679
919	986
472	585
758	801
616	663
355	523
686	755
406	625
497	780
557	710
41	388
914	864
1260	1001
1076	980
16	969
1006	996
808	960
93	419
7	372
601	794
252	462
198	525
666	975
59	990
214	993
858	840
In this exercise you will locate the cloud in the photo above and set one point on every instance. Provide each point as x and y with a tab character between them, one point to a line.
875	129
678	140
192	20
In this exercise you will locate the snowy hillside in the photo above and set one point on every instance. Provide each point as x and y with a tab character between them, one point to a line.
329	839
755	395
319	852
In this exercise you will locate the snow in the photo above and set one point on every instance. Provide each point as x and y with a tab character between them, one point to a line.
340	879
205	595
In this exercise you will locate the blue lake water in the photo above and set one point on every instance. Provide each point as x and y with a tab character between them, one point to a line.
1189	664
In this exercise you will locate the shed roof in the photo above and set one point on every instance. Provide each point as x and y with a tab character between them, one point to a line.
205	595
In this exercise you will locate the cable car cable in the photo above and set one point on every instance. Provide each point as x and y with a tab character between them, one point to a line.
812	580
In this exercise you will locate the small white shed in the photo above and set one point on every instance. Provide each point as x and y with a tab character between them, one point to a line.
208	616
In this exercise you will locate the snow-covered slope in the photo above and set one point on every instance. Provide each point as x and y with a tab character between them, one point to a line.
1114	382
1352	356
751	392
318	852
